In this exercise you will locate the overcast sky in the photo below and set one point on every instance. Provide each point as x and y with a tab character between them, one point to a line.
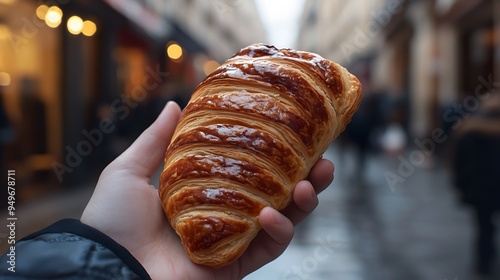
281	20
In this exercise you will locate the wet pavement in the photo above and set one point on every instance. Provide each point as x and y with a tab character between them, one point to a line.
363	229
366	229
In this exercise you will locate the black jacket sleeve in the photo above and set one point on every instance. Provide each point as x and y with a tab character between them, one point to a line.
69	249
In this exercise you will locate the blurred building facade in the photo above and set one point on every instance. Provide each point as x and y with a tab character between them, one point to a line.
434	55
73	98
224	26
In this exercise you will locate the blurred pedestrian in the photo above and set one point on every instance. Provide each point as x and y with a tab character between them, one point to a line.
360	130
476	175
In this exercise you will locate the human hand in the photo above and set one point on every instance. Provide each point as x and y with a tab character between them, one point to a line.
126	207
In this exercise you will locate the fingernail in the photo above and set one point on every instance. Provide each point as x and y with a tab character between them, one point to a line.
278	218
313	194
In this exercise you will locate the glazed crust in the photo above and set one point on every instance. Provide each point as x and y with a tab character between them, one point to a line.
251	131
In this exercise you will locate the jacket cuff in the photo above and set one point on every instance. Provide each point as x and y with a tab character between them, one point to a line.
78	228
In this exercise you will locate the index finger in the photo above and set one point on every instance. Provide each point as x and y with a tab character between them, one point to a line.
321	175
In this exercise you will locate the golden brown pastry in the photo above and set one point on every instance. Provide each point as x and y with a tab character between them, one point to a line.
251	131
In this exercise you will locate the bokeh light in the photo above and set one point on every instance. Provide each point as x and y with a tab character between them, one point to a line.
75	25
210	66
53	16
41	11
89	28
174	51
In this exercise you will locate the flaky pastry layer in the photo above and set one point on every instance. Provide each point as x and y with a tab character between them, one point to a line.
251	131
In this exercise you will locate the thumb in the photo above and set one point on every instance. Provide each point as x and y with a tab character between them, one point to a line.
147	152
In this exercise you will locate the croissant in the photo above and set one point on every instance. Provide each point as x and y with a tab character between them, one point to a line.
250	132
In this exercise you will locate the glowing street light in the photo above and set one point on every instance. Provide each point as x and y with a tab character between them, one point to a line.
174	51
53	16
75	25
89	28
41	11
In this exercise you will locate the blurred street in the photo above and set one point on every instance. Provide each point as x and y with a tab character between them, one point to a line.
416	192
361	230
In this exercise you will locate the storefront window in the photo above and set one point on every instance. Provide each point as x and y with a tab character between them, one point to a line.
29	92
